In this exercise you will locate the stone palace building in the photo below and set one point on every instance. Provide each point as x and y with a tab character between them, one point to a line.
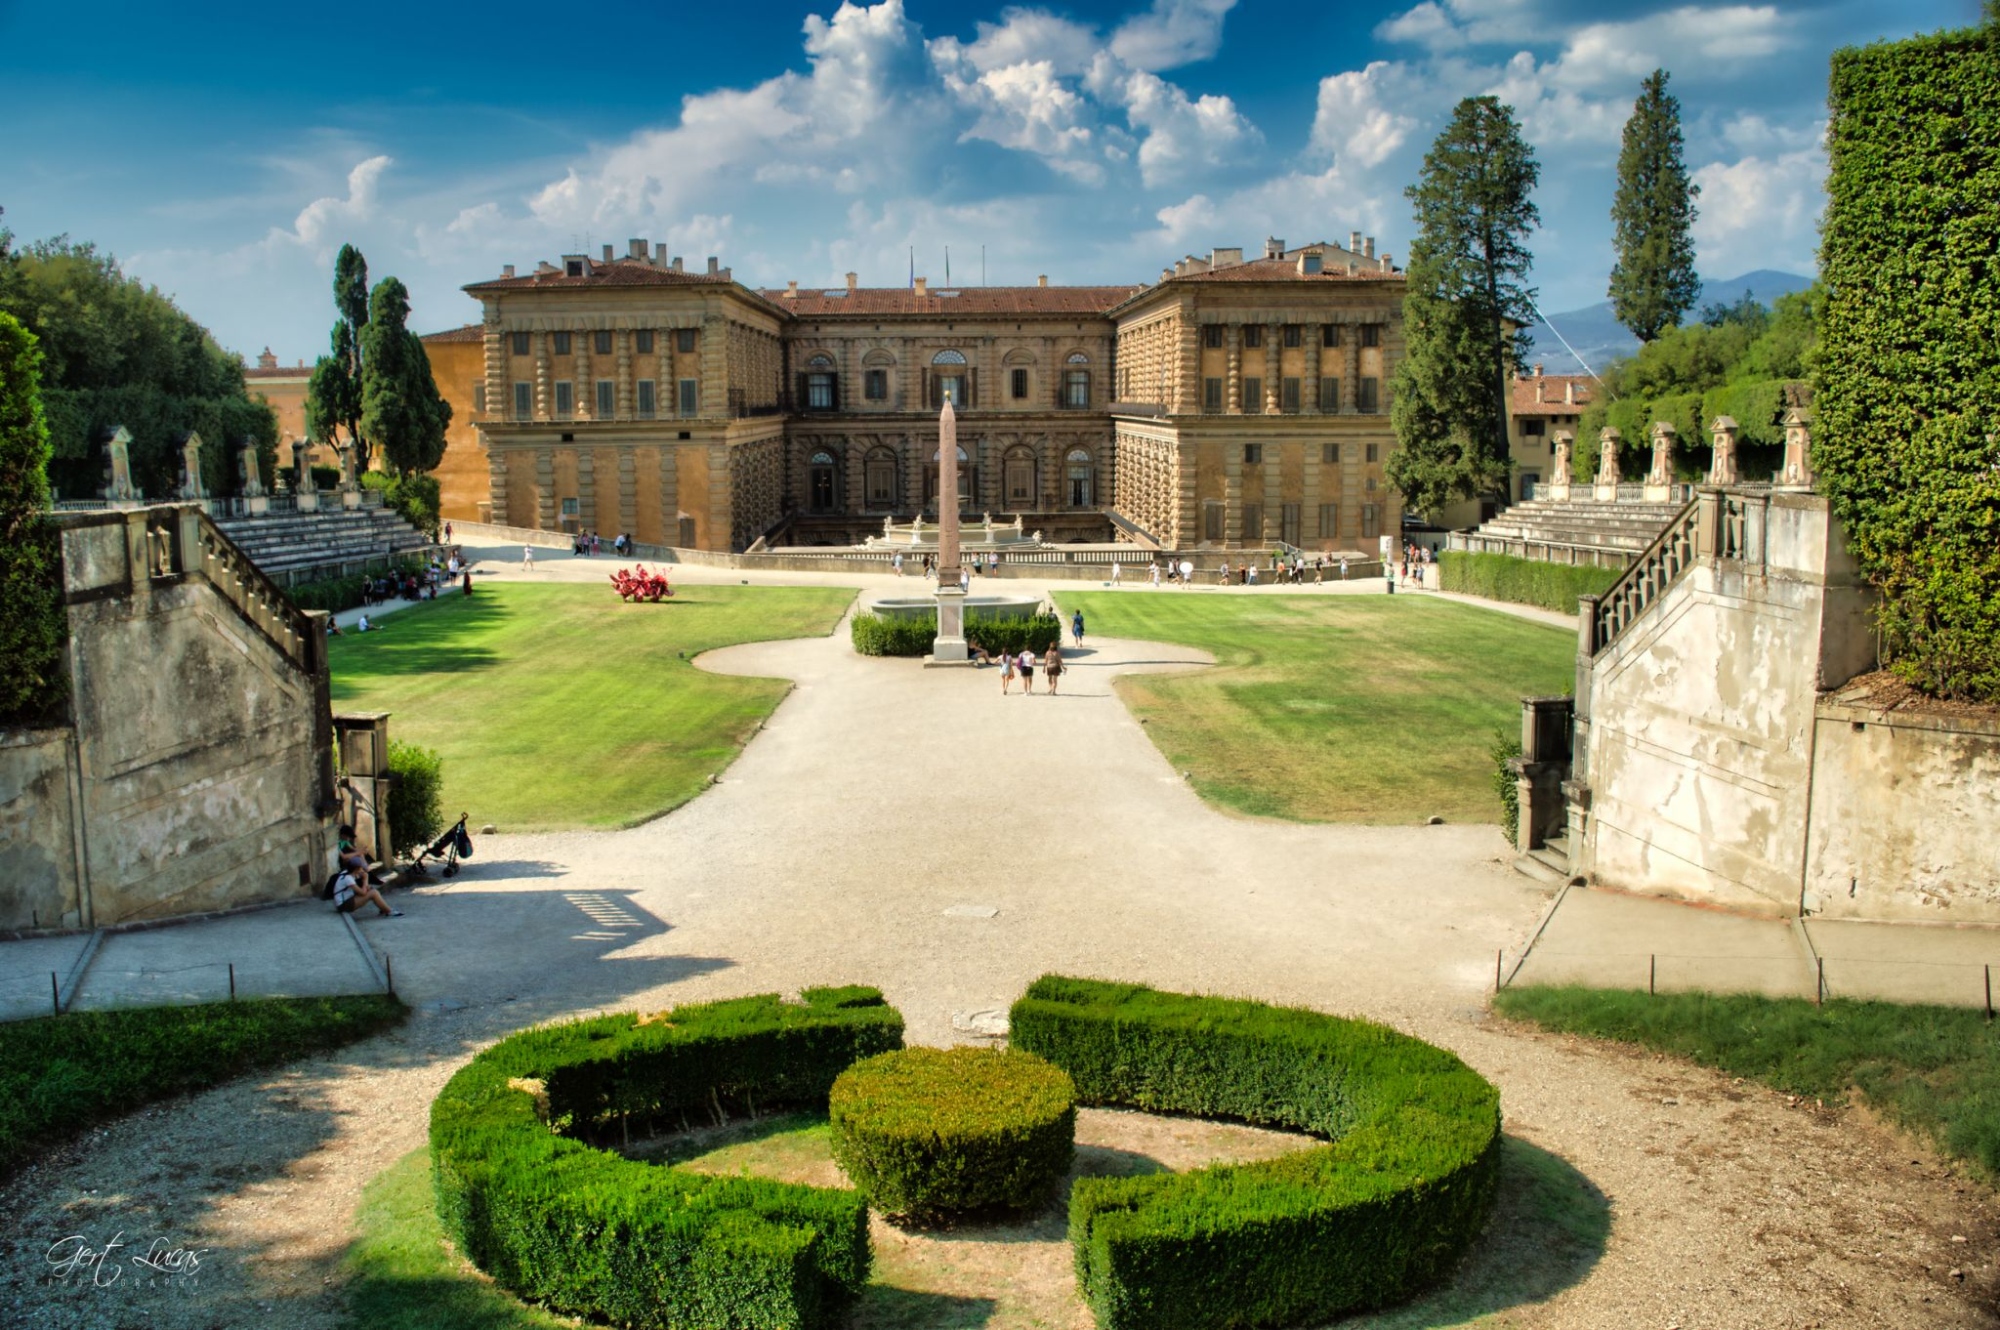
1233	403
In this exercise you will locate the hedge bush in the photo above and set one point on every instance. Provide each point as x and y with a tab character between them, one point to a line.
1907	439
1400	1190
416	800
529	1198
334	594
1037	633
930	1132
1553	586
33	624
1505	748
880	635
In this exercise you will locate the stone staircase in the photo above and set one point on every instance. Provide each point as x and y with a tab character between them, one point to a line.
1577	531
292	547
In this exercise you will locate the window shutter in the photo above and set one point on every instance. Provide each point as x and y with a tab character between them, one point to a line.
833	398
971	385
804	398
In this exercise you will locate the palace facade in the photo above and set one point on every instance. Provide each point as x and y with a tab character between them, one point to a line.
1233	403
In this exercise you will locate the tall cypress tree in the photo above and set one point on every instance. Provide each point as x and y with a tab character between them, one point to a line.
333	395
1466	283
1653	281
401	408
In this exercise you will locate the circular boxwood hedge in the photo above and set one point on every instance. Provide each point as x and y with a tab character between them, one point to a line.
1399	1191
930	1132
528	1197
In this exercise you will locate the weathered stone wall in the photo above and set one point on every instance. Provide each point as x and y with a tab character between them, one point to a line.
201	744
1905	816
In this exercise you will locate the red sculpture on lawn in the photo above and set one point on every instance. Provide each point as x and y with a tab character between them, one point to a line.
639	585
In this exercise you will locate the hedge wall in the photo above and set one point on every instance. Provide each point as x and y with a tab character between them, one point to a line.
1385	1208
528	1198
1553	586
33	625
879	635
1907	437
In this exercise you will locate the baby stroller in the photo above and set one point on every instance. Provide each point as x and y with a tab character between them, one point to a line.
452	846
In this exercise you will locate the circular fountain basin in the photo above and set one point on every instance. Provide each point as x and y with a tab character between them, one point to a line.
976	607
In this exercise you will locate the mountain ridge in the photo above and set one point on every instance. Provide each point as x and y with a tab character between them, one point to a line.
1599	338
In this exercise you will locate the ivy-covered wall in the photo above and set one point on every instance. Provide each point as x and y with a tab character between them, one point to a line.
1907	437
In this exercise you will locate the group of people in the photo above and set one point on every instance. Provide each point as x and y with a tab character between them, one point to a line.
589	544
1021	664
988	564
1410	569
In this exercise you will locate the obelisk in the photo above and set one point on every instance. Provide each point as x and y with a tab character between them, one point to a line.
949	648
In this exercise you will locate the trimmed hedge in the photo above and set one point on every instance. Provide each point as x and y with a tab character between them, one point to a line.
929	1132
1037	633
1387	1206
1907	440
416	800
879	635
527	1196
1553	586
33	624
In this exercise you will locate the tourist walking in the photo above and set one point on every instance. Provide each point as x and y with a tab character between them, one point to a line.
1343	567
447	533
1075	628
896	562
527	558
1114	572
1052	663
1154	571
1006	672
1026	664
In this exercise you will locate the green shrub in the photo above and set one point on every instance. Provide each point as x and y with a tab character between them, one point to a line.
1386	1207
416	799
33	624
1506	747
334	594
527	1196
62	1075
929	1132
416	497
880	635
1907	440
1553	586
1036	633
325	477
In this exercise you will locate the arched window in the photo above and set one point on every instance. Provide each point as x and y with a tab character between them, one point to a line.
880	474
950	376
1018	489
822	483
968	479
1076	382
822	392
1082	478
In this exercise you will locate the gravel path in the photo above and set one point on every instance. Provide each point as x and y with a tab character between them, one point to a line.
914	829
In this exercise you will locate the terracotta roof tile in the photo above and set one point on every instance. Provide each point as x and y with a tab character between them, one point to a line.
619	272
1284	270
897	301
471	332
1543	394
281	372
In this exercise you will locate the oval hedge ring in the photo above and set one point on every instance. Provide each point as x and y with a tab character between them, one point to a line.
930	1132
557	1220
1401	1188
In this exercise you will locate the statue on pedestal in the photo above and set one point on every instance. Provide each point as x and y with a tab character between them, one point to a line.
249	473
1722	465
1798	472
1565	440
1608	441
191	486
349	482
118	486
1662	472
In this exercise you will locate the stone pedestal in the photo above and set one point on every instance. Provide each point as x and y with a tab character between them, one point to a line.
350	498
949	648
308	500
257	504
1553	493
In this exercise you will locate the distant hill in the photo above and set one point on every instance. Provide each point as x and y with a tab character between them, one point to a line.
1598	336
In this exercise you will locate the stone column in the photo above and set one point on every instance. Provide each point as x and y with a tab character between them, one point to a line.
586	391
1309	379
496	486
855	474
668	400
1722	466
498	405
670	503
1232	384
624	344
1232	494
545	489
1798	472
543	376
1274	350
586	489
916	467
628	490
1309	468
1350	386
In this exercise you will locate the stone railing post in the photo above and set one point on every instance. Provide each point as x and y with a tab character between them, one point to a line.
1605	489
1722	466
1797	473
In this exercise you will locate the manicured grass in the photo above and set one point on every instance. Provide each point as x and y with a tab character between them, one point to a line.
61	1075
1336	708
560	706
1933	1070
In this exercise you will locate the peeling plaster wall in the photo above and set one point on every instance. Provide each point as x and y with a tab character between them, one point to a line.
38	873
1905	817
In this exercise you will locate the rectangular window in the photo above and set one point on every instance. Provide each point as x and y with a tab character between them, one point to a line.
1211	336
1076	388
600	341
569	508
819	392
1292	334
1329	394
642	341
1373	450
524	401
1329	519
690	397
1371	334
1370	524
1253	334
562	343
1367	398
1329	334
1288	394
607	399
521	343
1211	394
479	396
1211	520
1253	453
1288	524
648	403
683	339
875	385
565	399
1253	394
1253	521
1018	384
1329	453
1532	427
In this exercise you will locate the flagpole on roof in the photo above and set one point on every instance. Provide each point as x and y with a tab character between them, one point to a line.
913	267
947	265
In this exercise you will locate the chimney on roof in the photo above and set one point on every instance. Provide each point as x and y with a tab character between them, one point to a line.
714	266
607	253
659	252
1354	242
677	264
1180	267
1386	265
1538	369
1569	393
1351	268
1368	247
1541	388
1166	274
1042	279
1274	248
923	286
302	364
853	281
1225	257
507	271
792	289
266	360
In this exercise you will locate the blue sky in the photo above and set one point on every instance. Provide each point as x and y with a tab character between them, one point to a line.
225	154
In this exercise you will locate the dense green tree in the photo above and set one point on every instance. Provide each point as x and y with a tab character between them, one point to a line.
1653	281
31	612
118	352
1466	305
333	394
402	412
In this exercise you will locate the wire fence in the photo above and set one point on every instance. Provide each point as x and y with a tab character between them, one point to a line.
24	996
1951	982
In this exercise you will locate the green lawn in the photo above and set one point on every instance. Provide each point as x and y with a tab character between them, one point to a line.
1336	708
560	706
1934	1070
